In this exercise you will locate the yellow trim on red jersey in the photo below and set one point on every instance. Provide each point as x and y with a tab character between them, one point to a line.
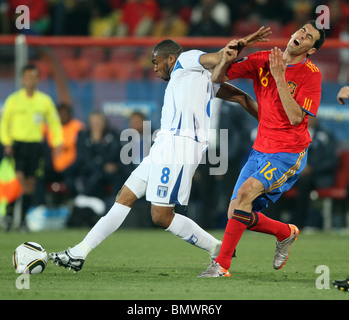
312	66
288	174
307	104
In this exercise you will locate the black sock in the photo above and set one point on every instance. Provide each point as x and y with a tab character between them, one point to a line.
9	210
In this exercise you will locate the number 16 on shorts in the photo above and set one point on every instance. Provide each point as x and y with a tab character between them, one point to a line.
269	173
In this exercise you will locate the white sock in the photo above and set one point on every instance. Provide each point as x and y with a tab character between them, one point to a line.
190	232
101	230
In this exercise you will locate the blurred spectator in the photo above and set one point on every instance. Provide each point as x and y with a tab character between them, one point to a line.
24	115
4	17
268	10
138	18
104	20
77	17
319	172
38	12
170	23
302	11
57	166
137	122
246	26
115	4
210	18
98	158
339	16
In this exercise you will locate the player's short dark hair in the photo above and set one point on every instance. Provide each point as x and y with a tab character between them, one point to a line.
319	42
30	67
167	47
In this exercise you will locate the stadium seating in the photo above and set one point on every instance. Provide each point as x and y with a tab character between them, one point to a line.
338	192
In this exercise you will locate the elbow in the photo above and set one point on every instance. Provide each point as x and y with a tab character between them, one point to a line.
296	118
216	79
295	121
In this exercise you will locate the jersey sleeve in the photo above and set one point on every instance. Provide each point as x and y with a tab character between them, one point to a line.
309	94
190	60
5	136
244	67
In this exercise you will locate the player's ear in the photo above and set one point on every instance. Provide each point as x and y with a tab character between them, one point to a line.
311	51
171	59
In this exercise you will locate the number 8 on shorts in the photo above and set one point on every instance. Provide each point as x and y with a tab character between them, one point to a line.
165	175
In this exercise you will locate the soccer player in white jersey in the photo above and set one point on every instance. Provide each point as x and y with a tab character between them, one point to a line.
165	175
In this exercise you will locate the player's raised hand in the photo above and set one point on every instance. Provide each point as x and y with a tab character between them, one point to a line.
259	36
230	51
276	64
343	94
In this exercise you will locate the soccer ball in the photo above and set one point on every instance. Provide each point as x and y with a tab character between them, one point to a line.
29	257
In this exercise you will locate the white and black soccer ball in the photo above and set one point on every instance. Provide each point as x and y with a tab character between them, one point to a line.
29	257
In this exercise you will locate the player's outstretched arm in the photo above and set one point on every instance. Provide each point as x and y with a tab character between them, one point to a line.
210	60
229	54
343	94
231	93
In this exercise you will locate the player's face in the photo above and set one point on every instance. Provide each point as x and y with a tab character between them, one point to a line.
162	68
302	41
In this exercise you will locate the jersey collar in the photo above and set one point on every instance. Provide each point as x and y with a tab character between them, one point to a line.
297	64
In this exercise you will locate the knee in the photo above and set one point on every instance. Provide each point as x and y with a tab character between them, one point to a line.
243	194
231	209
162	216
248	192
126	197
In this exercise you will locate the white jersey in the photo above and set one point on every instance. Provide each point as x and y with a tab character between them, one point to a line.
187	102
185	125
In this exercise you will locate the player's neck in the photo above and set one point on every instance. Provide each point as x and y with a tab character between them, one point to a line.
293	59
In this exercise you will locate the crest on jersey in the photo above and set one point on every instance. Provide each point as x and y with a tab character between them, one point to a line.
162	191
292	87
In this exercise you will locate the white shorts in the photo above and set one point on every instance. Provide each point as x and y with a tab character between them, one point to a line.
169	168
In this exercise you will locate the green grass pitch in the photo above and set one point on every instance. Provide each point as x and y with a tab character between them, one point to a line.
155	265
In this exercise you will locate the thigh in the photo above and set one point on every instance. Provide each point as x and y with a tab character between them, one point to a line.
276	171
246	172
173	165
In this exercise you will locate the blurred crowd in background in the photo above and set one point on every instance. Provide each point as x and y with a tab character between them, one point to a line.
107	18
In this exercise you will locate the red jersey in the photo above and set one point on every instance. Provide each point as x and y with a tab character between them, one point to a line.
275	133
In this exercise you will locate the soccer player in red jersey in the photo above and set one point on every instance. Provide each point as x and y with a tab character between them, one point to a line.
288	90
